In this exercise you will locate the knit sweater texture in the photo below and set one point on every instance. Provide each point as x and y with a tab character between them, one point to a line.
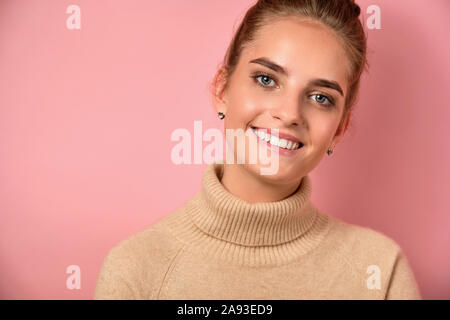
218	246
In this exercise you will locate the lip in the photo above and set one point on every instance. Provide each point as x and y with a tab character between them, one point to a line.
281	135
279	150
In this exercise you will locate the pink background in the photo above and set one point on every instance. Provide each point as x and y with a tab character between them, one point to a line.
86	117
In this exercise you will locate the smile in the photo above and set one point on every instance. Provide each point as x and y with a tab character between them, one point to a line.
275	141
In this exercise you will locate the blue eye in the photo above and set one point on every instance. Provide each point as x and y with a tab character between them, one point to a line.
323	98
264	80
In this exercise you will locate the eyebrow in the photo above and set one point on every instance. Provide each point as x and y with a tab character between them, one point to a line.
313	82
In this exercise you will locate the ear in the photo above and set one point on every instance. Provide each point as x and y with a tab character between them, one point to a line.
218	91
341	130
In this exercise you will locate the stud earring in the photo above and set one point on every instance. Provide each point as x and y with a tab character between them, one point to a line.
330	151
221	115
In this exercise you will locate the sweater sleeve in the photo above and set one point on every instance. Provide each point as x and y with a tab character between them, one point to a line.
116	279
402	284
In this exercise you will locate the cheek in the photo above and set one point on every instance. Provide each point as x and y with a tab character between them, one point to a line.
322	129
245	102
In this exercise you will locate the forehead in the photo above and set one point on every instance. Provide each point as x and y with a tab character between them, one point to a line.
306	48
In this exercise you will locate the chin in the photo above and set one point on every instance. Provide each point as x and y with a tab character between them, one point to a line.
283	175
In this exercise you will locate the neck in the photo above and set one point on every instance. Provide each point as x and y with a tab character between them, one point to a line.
220	225
239	181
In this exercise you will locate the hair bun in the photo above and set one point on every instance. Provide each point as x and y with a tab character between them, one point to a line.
355	7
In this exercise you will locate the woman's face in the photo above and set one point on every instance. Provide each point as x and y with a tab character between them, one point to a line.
292	101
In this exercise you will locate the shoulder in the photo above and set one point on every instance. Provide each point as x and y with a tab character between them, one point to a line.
153	243
354	238
362	249
154	247
372	257
137	264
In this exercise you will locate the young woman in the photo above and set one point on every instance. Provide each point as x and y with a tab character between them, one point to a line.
295	66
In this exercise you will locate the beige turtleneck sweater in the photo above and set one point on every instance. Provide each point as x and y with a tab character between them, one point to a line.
218	246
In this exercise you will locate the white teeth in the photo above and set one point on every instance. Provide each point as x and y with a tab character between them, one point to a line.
274	140
282	143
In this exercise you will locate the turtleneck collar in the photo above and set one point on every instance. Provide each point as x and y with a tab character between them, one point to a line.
227	217
217	224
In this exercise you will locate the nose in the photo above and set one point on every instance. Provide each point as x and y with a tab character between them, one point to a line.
288	112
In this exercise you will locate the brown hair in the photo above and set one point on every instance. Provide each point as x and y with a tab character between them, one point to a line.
340	15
